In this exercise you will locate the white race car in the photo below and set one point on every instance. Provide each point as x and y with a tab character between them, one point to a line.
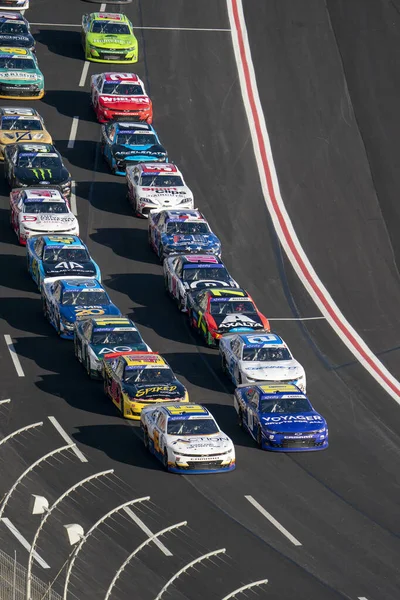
35	211
250	358
16	5
186	438
152	186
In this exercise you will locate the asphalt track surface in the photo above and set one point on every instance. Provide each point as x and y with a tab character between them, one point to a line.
329	86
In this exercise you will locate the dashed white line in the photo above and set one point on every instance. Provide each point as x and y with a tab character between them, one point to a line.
24	542
147	531
68	439
102	7
85	69
73	198
362	598
211	29
14	355
74	129
5	401
272	520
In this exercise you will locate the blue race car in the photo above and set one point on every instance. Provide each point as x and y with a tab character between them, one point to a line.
280	417
126	143
68	300
52	257
181	231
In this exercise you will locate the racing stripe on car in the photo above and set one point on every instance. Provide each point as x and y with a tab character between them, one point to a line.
279	214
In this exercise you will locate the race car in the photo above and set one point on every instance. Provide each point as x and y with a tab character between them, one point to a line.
184	273
15	30
36	211
96	337
216	311
120	95
20	76
181	231
134	380
109	38
66	301
16	5
52	257
124	143
280	417
153	186
36	164
21	125
248	358
186	439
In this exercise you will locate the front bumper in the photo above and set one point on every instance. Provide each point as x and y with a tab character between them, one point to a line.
111	56
144	208
132	410
201	466
285	443
105	114
18	92
25	235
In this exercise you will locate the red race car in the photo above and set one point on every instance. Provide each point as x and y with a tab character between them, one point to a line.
120	95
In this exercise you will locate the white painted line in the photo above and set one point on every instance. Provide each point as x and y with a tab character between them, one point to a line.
68	439
14	355
147	531
362	598
102	7
72	135
5	401
73	198
273	521
297	319
85	69
24	542
217	29
279	215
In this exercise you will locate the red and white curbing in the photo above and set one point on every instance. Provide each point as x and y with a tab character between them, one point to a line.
278	212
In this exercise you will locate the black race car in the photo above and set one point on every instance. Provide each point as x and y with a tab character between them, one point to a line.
36	164
15	31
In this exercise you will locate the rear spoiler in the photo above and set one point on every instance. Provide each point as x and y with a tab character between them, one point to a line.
132	353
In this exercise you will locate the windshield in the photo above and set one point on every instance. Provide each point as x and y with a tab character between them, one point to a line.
55	255
12	27
200	274
122	88
110	27
192	427
19	124
153	376
45	207
162	181
82	298
20	64
228	308
38	161
118	338
187	228
285	405
267	354
136	139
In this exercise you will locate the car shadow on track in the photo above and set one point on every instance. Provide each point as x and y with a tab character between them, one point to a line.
107	196
14	274
62	42
82	155
127	242
71	103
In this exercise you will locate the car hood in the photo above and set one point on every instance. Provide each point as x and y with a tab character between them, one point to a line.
111	41
146	392
174	195
76	313
149	150
45	176
17	40
195	286
238	322
191	242
64	268
264	371
293	423
19	75
125	102
12	137
48	222
101	350
200	445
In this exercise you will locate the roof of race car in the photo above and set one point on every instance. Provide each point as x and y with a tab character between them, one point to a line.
79	285
111	323
185	411
143	360
279	390
39	148
200	260
63	240
108	16
158	168
227	294
261	340
11	16
11	111
10	51
128	77
132	125
183	215
38	195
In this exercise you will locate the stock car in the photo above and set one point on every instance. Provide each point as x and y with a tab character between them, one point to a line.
66	301
181	231
36	164
97	336
186	439
248	358
214	312
37	210
184	273
280	417
134	380
20	76
15	30
120	95
52	257
152	186
109	38
124	143
21	125
16	5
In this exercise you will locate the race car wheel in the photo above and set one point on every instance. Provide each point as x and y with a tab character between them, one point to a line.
77	351
146	440
105	387
259	437
165	459
240	418
160	254
87	366
223	365
44	307
239	379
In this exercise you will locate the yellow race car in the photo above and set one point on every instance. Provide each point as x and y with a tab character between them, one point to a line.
21	125
134	380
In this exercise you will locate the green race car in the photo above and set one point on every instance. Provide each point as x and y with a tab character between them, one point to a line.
20	77
109	38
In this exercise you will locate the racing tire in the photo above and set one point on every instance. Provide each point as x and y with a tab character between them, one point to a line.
180	304
105	387
146	442
224	367
239	379
160	254
240	419
165	460
77	352
87	367
259	437
44	308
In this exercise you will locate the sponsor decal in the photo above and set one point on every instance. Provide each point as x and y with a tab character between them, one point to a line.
132	99
19	75
115	348
88	311
41	173
167	389
294	419
69	265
